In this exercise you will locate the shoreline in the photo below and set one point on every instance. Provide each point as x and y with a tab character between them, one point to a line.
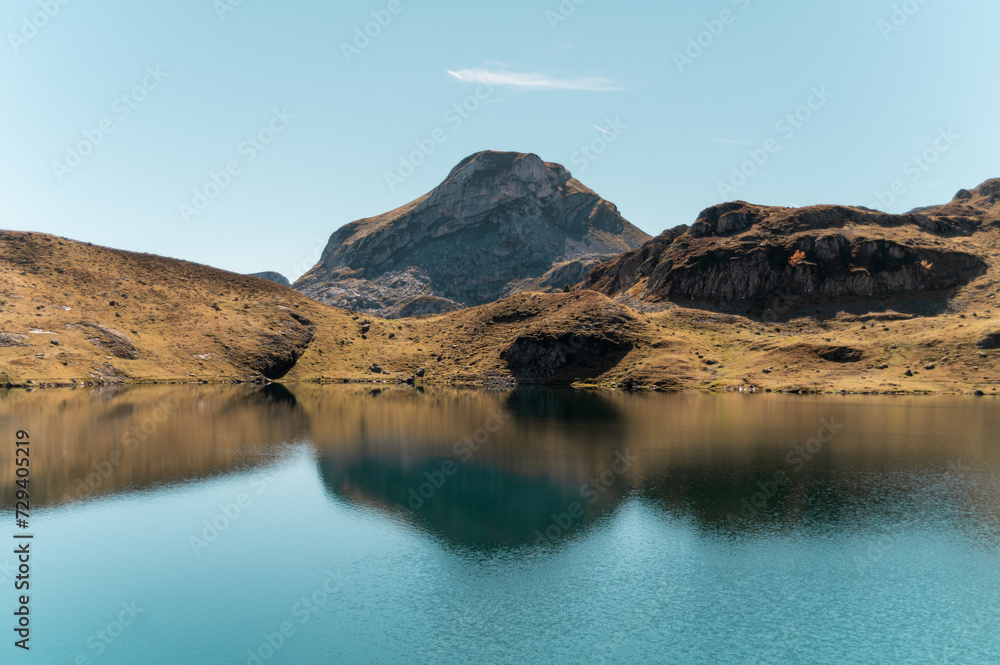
74	384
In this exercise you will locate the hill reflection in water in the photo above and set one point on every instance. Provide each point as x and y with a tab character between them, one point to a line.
486	471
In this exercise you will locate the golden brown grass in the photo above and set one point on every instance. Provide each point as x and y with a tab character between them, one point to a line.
194	323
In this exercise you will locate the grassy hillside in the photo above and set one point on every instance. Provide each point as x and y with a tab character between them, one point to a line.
72	313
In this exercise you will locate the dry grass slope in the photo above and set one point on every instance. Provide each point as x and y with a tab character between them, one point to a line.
71	313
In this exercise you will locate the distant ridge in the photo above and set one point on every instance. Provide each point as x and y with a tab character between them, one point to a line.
275	277
742	257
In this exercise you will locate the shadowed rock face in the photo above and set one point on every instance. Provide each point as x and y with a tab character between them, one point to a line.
839	354
741	255
539	358
274	353
499	222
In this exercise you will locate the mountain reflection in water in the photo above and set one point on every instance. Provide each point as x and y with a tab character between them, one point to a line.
485	471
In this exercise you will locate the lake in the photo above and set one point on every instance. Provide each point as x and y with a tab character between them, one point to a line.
308	524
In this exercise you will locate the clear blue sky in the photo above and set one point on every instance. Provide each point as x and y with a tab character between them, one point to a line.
609	70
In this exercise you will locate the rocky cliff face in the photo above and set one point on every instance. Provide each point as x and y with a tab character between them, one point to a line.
499	223
743	256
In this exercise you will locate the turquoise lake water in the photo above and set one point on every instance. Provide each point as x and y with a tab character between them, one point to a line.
347	525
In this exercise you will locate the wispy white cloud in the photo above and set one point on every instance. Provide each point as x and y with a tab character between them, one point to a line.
601	129
532	81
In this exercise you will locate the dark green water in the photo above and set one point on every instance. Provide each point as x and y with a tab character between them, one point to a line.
340	525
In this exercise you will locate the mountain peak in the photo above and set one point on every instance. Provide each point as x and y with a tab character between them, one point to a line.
495	159
509	175
499	222
492	163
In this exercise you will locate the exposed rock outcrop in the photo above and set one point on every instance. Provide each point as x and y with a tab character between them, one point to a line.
117	343
558	276
840	354
423	305
8	339
273	354
500	223
742	256
542	358
544	351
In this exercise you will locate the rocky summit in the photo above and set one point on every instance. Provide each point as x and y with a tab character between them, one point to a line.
499	224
